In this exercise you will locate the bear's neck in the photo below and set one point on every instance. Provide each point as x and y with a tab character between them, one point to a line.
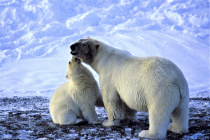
101	58
105	58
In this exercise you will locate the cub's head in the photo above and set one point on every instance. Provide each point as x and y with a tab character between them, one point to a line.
74	67
85	49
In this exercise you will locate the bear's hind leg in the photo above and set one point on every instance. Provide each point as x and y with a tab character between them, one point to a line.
180	117
67	117
158	122
128	113
54	116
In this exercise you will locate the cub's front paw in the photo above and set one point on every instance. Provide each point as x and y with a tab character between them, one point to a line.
78	121
97	121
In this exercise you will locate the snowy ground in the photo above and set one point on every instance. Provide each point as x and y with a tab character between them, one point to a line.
29	118
35	38
34	51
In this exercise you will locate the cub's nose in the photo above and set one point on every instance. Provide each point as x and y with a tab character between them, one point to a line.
75	59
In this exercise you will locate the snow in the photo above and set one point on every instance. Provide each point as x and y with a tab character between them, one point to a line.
35	38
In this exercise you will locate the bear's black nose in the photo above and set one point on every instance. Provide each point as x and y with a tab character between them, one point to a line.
73	47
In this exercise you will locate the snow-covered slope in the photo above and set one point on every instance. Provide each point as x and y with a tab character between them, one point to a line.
35	37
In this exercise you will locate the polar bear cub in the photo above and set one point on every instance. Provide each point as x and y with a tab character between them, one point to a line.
75	100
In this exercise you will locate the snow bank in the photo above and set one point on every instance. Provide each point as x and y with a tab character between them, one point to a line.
35	38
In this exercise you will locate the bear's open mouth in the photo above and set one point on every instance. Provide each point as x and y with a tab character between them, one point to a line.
74	53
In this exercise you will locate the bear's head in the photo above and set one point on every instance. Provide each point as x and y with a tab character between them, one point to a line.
85	49
74	67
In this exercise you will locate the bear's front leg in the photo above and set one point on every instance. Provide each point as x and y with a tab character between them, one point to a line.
113	106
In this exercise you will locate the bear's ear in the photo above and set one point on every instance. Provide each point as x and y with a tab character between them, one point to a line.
97	46
67	77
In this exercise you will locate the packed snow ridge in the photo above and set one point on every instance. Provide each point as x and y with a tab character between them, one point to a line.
35	38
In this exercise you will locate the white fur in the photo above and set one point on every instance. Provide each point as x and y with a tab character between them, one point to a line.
151	84
75	100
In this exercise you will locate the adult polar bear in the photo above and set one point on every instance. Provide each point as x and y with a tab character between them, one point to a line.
150	84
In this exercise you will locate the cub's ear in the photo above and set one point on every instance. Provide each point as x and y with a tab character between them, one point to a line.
67	77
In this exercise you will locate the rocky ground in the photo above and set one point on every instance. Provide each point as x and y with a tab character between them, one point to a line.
29	118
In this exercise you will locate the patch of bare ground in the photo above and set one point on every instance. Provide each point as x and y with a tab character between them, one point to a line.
29	118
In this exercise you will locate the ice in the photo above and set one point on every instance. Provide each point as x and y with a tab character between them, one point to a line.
196	136
35	38
7	136
128	129
73	135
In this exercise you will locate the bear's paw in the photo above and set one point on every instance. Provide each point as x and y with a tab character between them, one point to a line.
146	134
109	123
174	129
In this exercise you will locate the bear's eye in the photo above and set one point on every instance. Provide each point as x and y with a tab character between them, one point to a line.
83	44
69	62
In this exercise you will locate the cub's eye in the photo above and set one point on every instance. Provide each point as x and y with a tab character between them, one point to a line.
69	62
83	44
